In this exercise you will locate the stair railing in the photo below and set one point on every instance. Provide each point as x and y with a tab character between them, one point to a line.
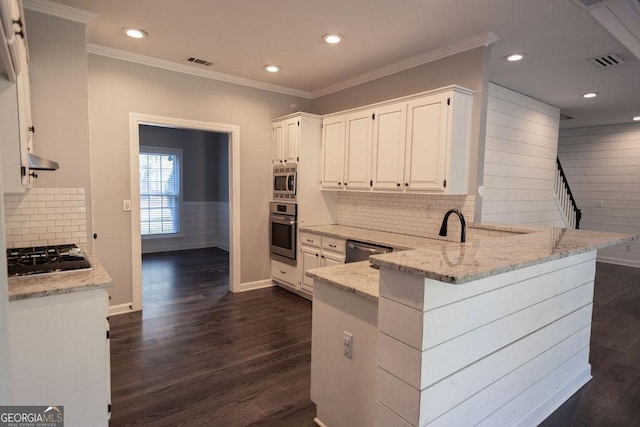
567	203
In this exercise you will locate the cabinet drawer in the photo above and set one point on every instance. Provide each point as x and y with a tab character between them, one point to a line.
308	239
333	245
283	272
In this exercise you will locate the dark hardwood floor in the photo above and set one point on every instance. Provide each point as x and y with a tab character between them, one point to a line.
201	356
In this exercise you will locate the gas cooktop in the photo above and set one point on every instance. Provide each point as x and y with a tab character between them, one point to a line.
45	259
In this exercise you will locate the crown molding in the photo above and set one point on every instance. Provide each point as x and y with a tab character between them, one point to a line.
480	40
59	10
187	69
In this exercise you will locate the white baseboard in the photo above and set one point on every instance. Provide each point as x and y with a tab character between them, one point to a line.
553	402
619	261
258	284
114	310
318	422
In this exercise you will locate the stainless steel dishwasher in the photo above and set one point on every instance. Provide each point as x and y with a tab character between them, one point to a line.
360	251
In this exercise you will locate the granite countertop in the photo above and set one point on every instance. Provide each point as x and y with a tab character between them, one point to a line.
360	278
399	242
465	262
457	263
43	285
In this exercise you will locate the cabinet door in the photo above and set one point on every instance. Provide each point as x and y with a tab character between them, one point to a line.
310	259
389	129
332	165
291	140
330	260
426	142
358	151
278	143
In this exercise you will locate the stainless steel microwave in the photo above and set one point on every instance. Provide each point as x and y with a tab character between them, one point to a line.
284	182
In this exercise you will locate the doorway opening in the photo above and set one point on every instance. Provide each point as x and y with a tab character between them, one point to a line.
184	209
187	196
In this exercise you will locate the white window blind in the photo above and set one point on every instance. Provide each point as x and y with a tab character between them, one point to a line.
160	198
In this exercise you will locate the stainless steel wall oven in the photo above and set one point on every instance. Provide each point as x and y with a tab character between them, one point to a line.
284	225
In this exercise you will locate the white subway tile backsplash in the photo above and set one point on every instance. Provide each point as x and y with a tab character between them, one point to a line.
45	216
413	214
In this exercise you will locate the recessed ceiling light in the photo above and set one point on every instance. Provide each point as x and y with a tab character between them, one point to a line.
332	38
590	95
135	33
636	119
514	57
272	68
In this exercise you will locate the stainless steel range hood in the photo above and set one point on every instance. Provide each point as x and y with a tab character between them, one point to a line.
40	164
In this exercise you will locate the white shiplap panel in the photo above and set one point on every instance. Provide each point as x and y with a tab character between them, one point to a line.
603	165
520	160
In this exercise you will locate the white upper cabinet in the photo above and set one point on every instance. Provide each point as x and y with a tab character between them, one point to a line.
358	151
426	144
286	137
291	140
389	127
416	143
332	161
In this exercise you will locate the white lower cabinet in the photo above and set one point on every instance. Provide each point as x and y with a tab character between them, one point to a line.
283	272
59	354
317	251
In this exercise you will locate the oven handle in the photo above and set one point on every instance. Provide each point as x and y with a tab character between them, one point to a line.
281	219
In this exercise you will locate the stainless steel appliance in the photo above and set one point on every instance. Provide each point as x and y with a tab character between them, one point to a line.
285	183
360	251
283	229
45	259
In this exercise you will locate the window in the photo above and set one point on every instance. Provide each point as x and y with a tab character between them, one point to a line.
160	195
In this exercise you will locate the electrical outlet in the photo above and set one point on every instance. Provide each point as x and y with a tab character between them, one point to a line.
347	345
600	203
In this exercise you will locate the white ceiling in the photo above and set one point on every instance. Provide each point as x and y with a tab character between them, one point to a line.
240	36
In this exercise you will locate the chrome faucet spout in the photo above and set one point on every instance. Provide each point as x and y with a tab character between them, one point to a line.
443	227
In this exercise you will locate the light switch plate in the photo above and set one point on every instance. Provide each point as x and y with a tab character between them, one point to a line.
126	205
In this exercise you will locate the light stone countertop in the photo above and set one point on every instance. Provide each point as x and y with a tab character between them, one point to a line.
360	278
457	263
43	285
466	262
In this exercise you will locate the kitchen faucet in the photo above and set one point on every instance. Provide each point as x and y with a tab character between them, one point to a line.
443	228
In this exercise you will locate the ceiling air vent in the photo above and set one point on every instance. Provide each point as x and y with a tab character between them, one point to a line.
585	4
606	61
199	61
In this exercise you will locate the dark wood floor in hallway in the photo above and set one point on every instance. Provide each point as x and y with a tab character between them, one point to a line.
201	356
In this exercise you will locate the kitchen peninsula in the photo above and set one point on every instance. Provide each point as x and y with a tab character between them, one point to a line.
59	342
489	332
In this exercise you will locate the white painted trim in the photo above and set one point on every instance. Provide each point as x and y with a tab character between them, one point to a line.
135	119
318	422
114	310
619	261
59	10
189	69
485	39
560	211
258	284
553	402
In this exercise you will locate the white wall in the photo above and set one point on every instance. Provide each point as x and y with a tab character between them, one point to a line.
520	160
4	305
204	225
603	164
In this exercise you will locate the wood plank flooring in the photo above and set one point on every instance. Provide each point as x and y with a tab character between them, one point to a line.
199	355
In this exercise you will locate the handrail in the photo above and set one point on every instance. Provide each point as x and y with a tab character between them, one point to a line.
574	205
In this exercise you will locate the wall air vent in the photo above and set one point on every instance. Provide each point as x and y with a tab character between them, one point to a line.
606	61
199	61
